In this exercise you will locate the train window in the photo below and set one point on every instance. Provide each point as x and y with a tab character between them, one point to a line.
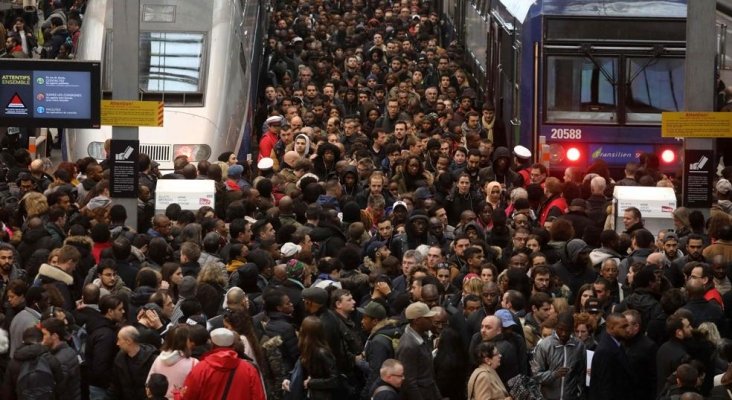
171	63
654	85
581	89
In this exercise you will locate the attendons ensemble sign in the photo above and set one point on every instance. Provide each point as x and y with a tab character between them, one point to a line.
64	94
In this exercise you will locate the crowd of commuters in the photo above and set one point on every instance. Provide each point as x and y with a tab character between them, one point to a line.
387	245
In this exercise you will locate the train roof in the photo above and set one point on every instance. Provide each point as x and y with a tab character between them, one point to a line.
521	9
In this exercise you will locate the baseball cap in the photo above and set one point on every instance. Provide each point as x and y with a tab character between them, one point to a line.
289	249
592	305
419	310
670	236
506	318
373	310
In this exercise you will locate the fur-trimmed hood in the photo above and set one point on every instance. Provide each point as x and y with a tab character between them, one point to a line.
80	241
49	272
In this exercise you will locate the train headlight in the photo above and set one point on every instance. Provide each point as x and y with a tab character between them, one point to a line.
668	156
195	152
573	154
96	150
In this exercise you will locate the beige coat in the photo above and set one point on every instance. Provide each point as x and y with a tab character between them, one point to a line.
484	384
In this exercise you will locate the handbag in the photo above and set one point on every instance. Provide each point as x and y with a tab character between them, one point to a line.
297	379
522	387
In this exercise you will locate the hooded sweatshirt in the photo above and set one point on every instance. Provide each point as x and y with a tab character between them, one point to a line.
207	379
175	366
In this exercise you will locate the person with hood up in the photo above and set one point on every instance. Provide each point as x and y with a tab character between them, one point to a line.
349	181
416	233
574	267
460	199
501	170
221	372
324	164
329	235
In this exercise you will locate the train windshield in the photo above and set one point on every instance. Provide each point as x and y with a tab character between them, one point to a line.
580	88
171	62
654	85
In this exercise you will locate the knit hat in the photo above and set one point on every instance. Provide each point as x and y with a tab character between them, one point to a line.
235	171
295	269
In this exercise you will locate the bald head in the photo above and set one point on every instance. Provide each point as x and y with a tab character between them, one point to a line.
36	165
130	333
90	294
285	205
490	327
291	158
280	272
655	259
235	297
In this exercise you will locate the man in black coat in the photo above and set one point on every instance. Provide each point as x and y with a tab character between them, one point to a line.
101	346
611	375
673	353
641	353
132	364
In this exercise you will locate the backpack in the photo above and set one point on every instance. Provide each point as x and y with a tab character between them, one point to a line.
36	381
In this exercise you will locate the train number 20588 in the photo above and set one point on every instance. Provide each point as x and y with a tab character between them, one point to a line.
566	133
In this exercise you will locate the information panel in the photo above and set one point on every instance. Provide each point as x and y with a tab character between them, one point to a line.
123	168
698	178
64	94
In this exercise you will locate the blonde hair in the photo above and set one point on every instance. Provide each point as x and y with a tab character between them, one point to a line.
211	273
35	204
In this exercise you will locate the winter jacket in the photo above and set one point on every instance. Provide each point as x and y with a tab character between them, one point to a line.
175	366
130	373
507	176
653	321
207	379
27	353
50	275
67	357
378	348
554	206
277	324
638	255
101	348
549	355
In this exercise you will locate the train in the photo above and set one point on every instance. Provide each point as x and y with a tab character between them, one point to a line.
200	58
577	80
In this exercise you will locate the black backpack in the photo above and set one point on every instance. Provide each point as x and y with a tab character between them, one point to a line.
35	381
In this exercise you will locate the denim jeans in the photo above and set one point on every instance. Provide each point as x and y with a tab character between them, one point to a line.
97	393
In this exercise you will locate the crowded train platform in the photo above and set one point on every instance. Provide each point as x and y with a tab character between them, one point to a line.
383	240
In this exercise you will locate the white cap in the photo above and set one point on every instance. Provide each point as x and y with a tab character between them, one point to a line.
296	39
399	203
522	152
222	337
289	249
324	284
265	163
274	118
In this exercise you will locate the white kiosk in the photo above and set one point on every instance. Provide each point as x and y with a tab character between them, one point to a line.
190	194
656	205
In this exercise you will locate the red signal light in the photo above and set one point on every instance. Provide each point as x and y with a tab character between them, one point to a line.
668	156
573	154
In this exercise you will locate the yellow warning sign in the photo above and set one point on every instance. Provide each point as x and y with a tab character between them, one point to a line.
132	113
696	124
